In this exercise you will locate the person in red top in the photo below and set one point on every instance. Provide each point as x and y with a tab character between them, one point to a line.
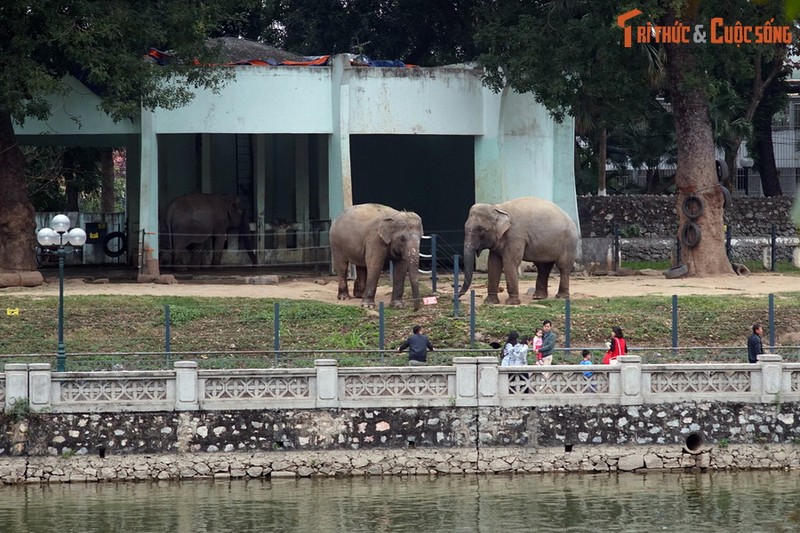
618	346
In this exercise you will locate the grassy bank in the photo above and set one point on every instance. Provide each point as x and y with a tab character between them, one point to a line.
215	328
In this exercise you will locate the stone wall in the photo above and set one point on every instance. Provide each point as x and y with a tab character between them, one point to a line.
656	216
393	428
648	225
378	462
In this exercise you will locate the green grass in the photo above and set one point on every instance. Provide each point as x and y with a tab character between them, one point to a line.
238	332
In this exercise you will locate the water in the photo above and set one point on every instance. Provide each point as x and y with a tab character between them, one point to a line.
744	501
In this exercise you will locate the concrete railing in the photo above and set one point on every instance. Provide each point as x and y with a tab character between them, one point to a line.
469	382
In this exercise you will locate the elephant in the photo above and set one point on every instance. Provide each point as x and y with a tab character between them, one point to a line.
192	220
366	235
523	229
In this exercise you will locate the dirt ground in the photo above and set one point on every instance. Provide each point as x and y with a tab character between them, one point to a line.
324	288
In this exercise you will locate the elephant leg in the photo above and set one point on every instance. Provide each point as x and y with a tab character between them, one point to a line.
495	267
217	245
399	269
360	282
511	270
371	286
563	282
339	264
542	277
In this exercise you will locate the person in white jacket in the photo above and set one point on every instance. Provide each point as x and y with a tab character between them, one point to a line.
515	352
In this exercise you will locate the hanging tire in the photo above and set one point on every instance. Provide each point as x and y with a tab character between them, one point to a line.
726	197
120	249
722	170
693	207
691	234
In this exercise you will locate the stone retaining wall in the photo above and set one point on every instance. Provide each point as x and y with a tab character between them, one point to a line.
656	216
506	460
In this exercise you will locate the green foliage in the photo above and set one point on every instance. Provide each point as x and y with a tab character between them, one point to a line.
20	409
180	315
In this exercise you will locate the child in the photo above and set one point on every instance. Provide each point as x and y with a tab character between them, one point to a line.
587	360
536	343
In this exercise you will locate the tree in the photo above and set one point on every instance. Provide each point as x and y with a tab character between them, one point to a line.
415	31
104	45
557	57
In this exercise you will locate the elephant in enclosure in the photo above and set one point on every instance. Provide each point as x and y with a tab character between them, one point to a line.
366	235
523	229
195	220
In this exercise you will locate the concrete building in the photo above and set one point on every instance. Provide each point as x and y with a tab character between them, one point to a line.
300	144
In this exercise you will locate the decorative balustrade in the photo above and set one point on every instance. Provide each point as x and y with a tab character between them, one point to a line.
469	382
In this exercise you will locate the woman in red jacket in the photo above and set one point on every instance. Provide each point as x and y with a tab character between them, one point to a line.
618	346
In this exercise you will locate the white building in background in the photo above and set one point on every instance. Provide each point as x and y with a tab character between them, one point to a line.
300	144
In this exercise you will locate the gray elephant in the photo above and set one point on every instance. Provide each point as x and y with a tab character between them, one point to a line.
193	221
366	235
523	229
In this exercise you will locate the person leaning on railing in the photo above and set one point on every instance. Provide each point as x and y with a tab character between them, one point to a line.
418	346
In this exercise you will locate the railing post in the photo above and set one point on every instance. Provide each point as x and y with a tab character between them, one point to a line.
16	384
433	263
674	324
277	332
186	386
466	392
487	382
39	385
472	318
771	300
327	382
167	333
771	367
381	331
630	372
455	286
567	325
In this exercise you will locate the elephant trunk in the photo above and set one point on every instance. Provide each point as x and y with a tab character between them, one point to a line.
469	267
413	277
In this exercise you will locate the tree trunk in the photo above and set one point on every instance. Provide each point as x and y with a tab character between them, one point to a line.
696	173
601	162
765	155
107	191
17	217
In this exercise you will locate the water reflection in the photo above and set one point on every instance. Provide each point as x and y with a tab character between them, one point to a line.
744	501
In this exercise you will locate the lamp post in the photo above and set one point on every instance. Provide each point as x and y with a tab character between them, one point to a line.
747	164
59	234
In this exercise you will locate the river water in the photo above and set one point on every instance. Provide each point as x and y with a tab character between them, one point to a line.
723	502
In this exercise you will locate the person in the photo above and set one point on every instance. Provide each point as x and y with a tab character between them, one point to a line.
515	353
755	346
587	360
535	342
418	347
545	352
616	346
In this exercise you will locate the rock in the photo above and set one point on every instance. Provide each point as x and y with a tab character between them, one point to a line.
97	281
628	463
21	279
146	278
262	280
165	279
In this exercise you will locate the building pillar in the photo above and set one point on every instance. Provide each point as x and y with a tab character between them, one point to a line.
148	194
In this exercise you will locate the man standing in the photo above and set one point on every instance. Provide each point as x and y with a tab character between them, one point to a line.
545	353
418	346
754	345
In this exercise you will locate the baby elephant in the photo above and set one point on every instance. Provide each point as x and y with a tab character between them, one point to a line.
366	235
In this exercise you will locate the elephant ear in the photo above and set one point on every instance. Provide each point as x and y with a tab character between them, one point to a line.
502	222
385	230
